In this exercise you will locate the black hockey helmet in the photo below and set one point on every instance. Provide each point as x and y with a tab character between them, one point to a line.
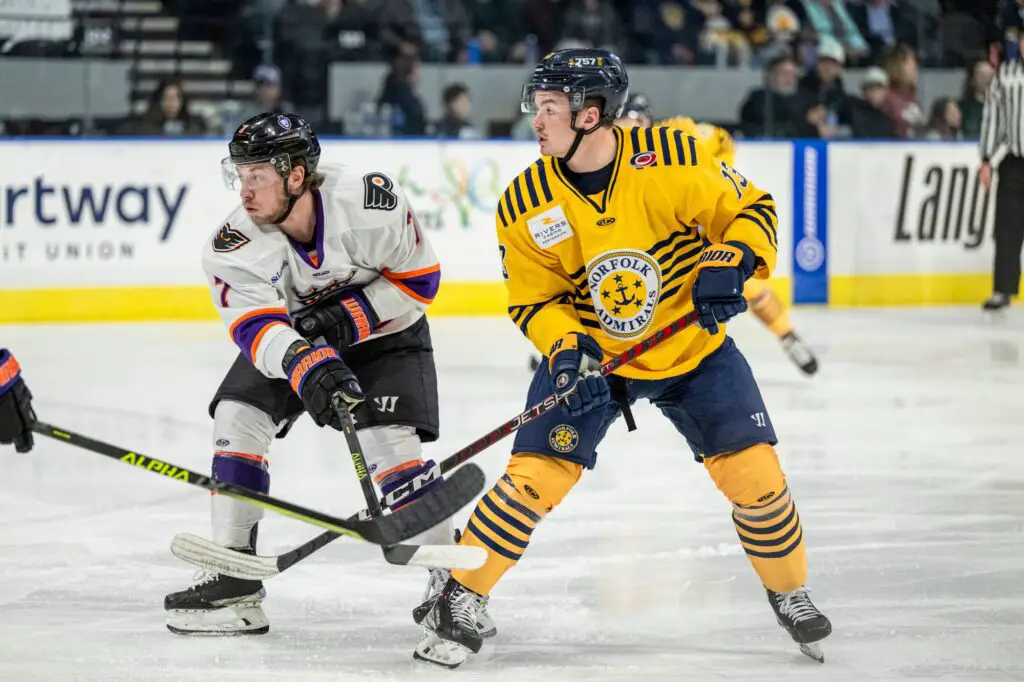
282	140
638	106
582	74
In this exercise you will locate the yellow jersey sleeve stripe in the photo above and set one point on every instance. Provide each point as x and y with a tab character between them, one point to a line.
517	186
491	544
501	215
666	149
530	189
508	205
542	178
500	514
649	138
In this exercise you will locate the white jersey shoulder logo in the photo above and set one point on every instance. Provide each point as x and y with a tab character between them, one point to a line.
377	194
550	227
624	286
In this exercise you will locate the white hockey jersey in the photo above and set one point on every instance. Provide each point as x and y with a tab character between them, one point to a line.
366	237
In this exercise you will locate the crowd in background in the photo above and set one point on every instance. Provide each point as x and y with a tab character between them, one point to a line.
802	46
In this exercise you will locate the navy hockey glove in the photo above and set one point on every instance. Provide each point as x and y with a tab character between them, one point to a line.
316	373
574	364
409	482
342	320
718	283
16	415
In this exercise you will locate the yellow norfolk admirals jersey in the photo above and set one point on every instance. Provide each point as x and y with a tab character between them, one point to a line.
615	264
717	140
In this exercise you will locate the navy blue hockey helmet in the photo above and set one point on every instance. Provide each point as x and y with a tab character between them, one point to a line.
582	74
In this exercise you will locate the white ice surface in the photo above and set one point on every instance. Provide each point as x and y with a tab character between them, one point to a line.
905	456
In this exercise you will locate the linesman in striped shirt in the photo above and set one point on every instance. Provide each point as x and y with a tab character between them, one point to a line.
1003	125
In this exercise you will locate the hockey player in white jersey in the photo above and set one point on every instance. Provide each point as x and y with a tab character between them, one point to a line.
322	277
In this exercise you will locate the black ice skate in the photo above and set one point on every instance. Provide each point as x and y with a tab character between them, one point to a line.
802	619
450	628
435	585
799	353
996	302
217	605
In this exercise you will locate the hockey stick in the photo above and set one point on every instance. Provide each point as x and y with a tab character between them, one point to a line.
283	562
432	556
386	530
206	554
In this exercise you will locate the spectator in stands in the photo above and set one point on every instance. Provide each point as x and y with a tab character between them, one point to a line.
353	31
945	120
664	33
901	102
443	29
719	44
398	101
454	124
303	55
868	119
774	110
498	29
594	23
400	32
823	99
881	23
267	96
544	19
750	26
829	18
168	114
972	103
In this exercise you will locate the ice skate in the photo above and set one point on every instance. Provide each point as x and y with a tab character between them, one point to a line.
996	304
800	353
435	584
802	619
450	629
217	605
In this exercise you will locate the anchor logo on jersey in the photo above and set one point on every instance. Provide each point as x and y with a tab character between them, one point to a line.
624	287
228	239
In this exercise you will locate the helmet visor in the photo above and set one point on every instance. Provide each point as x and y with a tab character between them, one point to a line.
254	174
576	94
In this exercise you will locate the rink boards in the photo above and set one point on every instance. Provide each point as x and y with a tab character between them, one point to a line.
112	229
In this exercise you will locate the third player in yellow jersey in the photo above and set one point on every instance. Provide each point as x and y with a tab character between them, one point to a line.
764	303
611	235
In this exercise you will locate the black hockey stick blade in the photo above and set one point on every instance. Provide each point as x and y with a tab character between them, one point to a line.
388	530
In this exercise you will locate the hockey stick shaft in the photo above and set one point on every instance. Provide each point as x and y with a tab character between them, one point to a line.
289	559
549	403
348	427
146	463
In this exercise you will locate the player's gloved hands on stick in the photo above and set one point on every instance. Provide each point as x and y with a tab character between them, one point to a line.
718	283
16	415
316	373
574	364
342	320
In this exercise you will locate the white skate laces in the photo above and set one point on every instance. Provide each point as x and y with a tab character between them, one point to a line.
464	607
796	605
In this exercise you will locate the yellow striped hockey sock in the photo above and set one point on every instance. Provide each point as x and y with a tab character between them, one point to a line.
764	514
507	515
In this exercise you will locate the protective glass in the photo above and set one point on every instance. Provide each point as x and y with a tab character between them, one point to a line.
254	175
575	93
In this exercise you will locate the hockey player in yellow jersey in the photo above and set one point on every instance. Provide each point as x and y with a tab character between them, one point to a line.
763	302
599	248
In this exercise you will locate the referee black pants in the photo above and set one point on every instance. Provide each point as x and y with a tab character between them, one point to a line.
1009	227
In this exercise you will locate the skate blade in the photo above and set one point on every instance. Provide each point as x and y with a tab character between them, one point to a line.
223	622
442	652
814	651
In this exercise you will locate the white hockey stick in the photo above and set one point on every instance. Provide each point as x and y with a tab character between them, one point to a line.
204	553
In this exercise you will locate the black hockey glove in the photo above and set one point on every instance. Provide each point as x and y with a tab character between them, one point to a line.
16	415
316	373
342	320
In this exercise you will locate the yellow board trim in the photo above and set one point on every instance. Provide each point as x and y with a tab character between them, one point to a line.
909	290
179	303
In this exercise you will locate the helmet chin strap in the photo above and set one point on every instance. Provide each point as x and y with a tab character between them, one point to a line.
580	133
292	198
